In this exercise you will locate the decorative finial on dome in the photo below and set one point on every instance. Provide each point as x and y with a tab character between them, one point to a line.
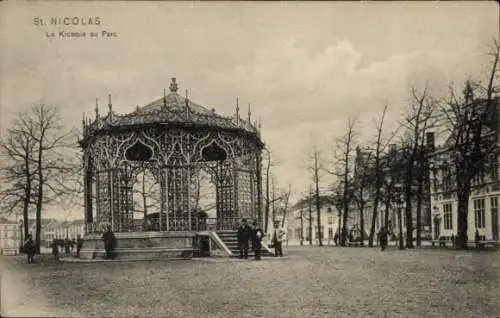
260	123
173	85
97	108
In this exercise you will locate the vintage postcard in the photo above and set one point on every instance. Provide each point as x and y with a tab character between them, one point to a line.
249	159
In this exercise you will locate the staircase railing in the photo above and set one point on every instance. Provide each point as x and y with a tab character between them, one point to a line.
219	243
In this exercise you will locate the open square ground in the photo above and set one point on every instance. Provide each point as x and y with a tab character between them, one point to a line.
309	282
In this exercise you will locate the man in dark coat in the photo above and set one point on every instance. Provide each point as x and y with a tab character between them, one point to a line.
29	249
79	244
109	242
383	238
257	235
55	249
243	238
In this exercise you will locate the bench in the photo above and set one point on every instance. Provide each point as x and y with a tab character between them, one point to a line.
442	242
10	251
355	244
485	243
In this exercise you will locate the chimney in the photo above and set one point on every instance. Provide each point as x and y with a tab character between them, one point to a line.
430	141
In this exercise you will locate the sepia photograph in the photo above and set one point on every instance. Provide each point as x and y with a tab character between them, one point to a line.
249	159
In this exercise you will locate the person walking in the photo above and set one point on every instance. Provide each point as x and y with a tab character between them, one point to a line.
29	249
277	241
257	235
243	238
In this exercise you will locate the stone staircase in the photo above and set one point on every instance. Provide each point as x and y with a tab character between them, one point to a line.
230	239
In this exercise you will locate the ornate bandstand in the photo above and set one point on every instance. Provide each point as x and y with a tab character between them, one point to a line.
174	140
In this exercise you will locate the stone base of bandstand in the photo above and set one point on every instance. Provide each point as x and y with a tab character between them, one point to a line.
141	246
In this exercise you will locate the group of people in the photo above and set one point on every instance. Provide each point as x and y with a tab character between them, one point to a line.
67	246
254	234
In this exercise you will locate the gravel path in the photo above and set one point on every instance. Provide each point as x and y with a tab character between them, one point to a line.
310	282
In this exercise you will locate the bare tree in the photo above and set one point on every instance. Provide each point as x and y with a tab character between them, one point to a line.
18	171
417	121
378	171
310	215
286	201
316	167
267	199
473	136
46	164
362	180
345	146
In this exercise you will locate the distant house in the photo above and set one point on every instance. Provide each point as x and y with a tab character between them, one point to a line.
298	230
57	229
10	236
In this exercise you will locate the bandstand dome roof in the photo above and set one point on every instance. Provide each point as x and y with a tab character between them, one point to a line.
171	109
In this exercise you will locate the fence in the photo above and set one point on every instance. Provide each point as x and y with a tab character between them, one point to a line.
170	224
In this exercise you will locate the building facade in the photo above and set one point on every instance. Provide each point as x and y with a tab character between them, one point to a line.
297	226
485	192
10	237
482	207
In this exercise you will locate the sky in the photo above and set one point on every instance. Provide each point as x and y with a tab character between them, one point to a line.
304	67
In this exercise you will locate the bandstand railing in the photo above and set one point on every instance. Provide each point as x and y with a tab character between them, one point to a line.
172	224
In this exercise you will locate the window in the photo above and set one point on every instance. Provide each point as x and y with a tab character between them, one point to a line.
330	232
448	216
330	219
479	213
297	233
447	179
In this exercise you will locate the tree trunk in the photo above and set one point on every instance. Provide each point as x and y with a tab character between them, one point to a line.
362	221
409	221
310	222
266	216
408	207
462	219
301	227
419	212
374	218
318	205
400	223
375	198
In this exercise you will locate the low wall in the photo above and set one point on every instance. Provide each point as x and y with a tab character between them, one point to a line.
141	245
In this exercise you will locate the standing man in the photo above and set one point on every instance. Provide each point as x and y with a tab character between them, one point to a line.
243	238
79	244
277	241
109	242
30	249
257	240
383	238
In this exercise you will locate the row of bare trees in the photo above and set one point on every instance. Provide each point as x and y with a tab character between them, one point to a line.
38	164
395	167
